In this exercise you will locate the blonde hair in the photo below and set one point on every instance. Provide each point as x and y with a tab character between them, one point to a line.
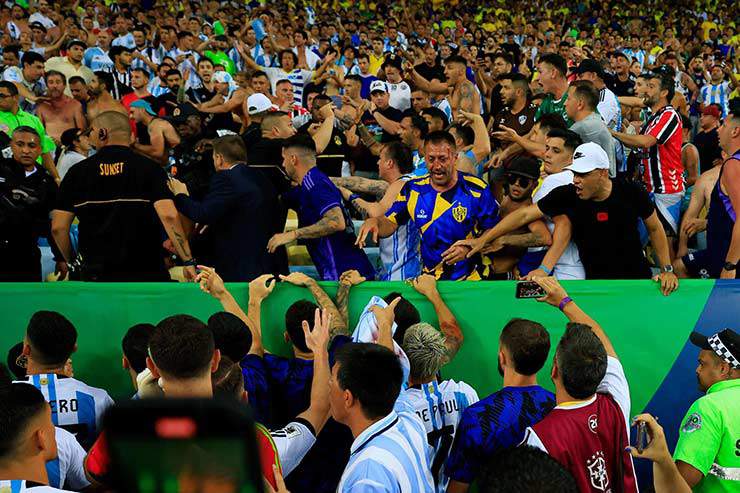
425	347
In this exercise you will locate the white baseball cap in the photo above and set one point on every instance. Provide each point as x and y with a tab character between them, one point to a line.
222	77
258	103
378	85
588	157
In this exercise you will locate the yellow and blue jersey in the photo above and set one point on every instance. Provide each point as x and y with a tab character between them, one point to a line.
442	218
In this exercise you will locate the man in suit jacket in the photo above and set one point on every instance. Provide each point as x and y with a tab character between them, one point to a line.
238	209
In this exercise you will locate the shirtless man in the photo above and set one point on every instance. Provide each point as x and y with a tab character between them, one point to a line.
100	87
59	112
225	102
162	135
520	251
691	223
459	91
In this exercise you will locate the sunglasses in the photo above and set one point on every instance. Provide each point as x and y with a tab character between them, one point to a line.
524	182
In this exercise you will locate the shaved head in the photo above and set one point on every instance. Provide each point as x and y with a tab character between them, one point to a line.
114	122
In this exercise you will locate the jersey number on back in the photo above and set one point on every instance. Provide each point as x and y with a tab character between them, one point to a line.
441	441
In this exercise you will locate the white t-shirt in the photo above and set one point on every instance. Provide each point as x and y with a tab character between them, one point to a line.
440	407
68	160
609	109
312	59
569	264
68	467
400	95
292	443
39	17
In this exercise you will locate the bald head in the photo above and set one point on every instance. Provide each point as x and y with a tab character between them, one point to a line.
114	122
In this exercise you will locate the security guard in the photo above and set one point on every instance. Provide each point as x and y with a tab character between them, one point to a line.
27	196
708	449
122	202
12	117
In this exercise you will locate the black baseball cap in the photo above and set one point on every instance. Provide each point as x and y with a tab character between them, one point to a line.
181	113
725	344
524	166
620	54
590	65
77	42
37	25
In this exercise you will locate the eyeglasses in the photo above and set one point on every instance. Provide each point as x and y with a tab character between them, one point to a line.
524	182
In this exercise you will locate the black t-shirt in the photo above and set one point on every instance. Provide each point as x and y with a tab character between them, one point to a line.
430	72
622	88
707	143
113	195
330	161
252	134
497	102
362	157
606	232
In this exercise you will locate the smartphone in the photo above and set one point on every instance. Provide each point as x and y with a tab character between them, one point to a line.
183	446
641	436
529	289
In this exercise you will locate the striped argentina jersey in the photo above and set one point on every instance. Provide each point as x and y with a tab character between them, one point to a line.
440	407
392	455
399	253
298	77
68	468
75	406
19	486
718	94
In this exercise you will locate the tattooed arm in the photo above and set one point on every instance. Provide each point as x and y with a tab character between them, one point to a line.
171	221
427	286
338	323
359	184
374	209
331	222
469	100
368	140
346	281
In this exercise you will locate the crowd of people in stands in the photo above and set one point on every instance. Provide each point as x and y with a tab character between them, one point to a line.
357	141
469	142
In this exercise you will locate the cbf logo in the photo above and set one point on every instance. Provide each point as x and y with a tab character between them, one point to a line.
597	471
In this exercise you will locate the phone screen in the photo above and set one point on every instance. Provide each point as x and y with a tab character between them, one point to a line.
529	289
190	447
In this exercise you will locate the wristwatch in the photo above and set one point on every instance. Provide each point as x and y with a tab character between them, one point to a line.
668	268
730	266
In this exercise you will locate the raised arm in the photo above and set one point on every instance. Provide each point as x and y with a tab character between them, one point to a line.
373	209
347	280
259	289
317	340
427	285
556	296
482	143
322	136
358	184
338	324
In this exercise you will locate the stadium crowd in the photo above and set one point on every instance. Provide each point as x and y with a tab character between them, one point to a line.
357	141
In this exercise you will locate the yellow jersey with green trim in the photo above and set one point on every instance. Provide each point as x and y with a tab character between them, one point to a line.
442	218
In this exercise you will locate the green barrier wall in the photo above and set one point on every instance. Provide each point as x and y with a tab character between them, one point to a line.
647	329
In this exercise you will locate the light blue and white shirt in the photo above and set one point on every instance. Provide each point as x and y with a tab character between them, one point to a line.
21	486
440	407
156	89
68	468
392	455
126	40
299	78
716	94
400	253
96	59
75	406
